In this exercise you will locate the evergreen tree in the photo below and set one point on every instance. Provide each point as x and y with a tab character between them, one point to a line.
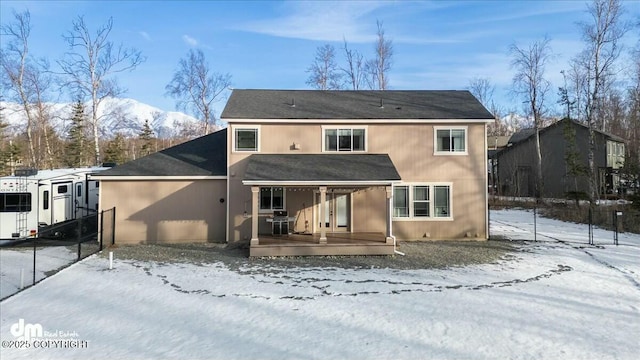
146	136
75	153
573	161
9	155
4	149
115	152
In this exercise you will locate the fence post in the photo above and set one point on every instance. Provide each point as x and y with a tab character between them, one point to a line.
100	231
113	227
34	262
616	213
590	225
535	222
79	231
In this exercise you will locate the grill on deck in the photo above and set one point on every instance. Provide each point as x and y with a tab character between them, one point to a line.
280	223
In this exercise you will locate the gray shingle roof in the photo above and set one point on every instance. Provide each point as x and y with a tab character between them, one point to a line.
204	156
334	104
525	134
321	167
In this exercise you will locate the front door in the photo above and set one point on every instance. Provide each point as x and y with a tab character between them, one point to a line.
337	212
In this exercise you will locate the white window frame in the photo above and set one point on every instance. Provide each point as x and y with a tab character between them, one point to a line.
249	127
450	128
407	199
432	202
346	127
271	209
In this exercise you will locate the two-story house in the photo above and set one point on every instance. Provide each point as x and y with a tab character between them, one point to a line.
315	173
564	146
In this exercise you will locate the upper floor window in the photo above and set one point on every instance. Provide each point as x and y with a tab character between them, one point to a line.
341	139
246	139
615	154
450	140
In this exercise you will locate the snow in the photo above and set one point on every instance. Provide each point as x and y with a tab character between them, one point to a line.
118	115
14	262
554	298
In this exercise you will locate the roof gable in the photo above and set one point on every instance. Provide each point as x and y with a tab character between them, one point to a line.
203	156
344	104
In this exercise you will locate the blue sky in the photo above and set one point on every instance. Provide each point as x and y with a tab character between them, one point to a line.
270	44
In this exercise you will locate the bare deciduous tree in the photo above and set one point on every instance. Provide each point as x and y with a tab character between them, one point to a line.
354	71
530	84
91	66
483	90
196	88
16	64
323	72
379	67
602	48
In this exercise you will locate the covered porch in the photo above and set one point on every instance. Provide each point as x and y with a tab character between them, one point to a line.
339	204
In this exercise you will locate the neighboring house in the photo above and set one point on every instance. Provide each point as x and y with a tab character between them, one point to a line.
341	172
564	148
495	144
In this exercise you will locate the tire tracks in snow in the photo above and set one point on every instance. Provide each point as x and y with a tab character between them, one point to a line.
331	287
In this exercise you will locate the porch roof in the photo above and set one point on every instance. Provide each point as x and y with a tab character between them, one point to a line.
320	169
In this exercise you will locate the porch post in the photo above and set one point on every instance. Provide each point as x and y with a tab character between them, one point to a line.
323	215
255	191
389	235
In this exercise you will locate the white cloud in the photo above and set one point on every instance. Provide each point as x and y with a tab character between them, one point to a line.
523	10
189	40
320	21
145	35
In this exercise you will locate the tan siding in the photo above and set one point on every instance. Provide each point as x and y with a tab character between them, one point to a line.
369	210
410	147
159	211
280	138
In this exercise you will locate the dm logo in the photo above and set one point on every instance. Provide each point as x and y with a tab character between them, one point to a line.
26	332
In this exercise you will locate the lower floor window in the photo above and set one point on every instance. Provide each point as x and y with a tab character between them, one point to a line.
401	201
441	196
271	198
422	201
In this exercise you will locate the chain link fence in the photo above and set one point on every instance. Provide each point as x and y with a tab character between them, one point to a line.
25	262
615	216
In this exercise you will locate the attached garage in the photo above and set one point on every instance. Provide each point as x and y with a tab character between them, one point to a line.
176	195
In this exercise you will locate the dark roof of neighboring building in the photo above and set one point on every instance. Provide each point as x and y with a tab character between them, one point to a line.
347	104
524	134
493	152
204	156
521	135
321	167
497	141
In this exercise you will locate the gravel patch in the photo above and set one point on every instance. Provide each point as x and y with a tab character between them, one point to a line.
418	255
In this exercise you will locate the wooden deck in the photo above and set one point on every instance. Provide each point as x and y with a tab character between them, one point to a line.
309	245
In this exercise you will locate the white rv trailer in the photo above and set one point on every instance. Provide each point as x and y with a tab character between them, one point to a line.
31	200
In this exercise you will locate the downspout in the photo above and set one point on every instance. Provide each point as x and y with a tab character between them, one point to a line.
390	220
394	246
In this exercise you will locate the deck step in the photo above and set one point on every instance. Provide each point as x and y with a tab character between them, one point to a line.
321	249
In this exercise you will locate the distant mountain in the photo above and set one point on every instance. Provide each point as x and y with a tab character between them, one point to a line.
126	116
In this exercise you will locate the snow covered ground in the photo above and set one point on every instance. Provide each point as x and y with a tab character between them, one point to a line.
16	265
554	299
